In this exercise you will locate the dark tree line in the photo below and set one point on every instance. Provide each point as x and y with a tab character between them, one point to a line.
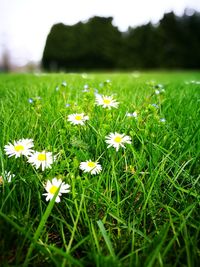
97	44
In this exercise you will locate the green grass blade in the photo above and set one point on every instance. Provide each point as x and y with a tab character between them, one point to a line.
106	238
40	227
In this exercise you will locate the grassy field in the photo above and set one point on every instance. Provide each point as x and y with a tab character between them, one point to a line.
141	209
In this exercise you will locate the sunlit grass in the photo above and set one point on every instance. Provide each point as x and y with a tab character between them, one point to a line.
141	209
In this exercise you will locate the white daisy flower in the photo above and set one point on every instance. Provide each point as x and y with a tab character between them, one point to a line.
116	140
77	118
106	101
52	186
43	159
91	166
19	148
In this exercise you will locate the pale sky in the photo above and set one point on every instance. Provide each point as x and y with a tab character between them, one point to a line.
25	24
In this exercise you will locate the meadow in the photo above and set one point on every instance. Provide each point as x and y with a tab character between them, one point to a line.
117	155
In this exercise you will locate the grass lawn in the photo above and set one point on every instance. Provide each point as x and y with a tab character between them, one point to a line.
132	201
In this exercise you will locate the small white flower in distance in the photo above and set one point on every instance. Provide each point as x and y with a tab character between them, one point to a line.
117	140
106	101
84	75
134	114
155	105
85	90
157	92
19	148
163	120
64	84
97	94
43	159
53	186
159	85
136	74
77	118
91	166
30	100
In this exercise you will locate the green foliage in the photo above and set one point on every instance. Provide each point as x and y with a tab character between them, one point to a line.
84	45
96	44
141	210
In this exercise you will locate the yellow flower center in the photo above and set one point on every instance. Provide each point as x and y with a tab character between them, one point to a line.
53	189
106	101
19	148
91	164
1	180
78	117
118	139
42	157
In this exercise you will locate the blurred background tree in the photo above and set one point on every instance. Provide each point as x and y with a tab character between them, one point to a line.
96	44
